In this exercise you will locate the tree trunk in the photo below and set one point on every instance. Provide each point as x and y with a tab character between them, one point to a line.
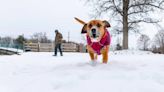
125	24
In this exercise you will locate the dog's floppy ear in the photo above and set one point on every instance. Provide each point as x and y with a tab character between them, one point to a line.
106	23
84	29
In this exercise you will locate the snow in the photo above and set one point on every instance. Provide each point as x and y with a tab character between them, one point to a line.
127	71
12	49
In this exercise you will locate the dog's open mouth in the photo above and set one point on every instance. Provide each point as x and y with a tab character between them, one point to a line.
94	34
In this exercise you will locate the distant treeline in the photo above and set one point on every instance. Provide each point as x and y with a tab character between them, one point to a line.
156	45
18	41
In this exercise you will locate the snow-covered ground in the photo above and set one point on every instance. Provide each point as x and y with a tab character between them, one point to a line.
127	71
12	49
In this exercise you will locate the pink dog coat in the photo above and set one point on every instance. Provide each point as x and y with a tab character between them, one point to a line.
97	46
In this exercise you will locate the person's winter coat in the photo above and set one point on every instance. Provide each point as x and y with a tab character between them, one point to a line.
58	38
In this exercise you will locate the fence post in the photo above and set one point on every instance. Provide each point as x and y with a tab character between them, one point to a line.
23	46
38	46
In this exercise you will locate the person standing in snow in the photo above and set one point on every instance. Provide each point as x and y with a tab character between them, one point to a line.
58	42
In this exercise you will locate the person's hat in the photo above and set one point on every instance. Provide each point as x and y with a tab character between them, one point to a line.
56	30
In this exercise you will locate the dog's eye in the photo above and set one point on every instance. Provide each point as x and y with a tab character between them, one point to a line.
90	25
98	25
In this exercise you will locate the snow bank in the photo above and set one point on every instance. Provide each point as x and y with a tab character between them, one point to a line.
12	49
42	72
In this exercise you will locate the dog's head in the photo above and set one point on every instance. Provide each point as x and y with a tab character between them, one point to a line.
95	29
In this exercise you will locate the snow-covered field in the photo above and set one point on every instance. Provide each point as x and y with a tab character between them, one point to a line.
127	71
12	49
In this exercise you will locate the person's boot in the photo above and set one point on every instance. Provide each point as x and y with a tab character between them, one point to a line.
61	54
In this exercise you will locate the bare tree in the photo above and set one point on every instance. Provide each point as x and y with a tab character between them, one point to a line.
127	13
159	41
6	41
40	37
143	42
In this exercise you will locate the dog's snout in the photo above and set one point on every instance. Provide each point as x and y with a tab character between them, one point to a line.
93	31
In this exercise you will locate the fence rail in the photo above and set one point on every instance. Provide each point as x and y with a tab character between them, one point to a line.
49	47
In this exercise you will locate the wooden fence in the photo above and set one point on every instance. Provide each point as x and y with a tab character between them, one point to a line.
49	47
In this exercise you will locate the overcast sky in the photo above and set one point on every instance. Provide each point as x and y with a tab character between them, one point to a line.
31	16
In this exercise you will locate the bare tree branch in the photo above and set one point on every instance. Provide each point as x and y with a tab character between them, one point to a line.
128	12
117	8
147	3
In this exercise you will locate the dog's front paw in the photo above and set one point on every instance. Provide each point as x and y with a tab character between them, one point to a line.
93	63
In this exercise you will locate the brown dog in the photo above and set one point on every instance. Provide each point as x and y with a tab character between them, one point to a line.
98	38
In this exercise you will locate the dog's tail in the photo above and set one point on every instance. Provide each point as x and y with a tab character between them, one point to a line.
82	22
